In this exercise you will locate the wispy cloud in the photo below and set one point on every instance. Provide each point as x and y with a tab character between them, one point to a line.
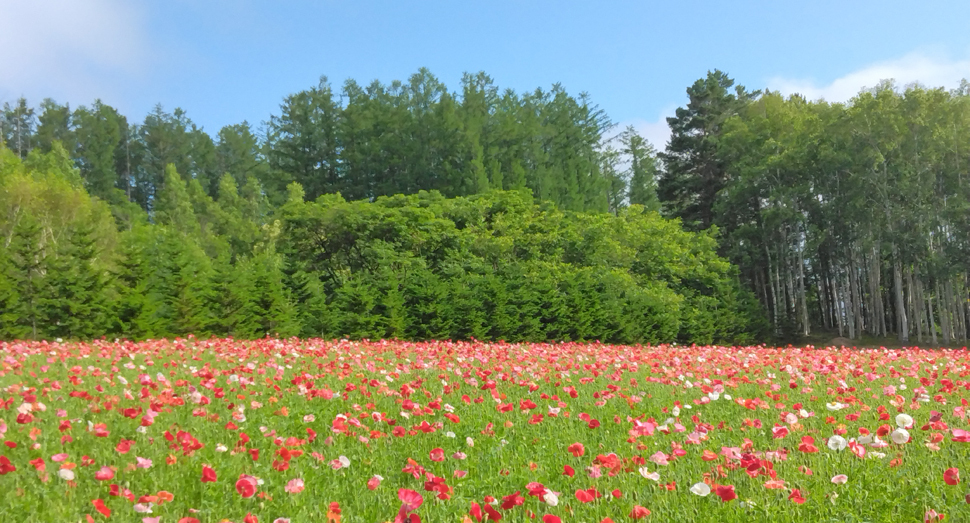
68	49
657	132
930	70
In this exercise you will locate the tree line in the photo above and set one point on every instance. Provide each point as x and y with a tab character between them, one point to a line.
490	266
849	217
361	141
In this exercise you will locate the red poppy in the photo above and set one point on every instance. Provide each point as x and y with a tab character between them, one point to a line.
493	515
104	474
512	500
725	492
411	499
208	474
124	446
437	454
476	511
373	483
549	518
951	476
639	512
796	496
576	449
246	486
250	518
568	471
101	507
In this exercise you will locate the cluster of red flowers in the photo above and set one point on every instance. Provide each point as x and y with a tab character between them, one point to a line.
616	427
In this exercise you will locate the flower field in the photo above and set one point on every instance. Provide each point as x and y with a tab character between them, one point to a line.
273	430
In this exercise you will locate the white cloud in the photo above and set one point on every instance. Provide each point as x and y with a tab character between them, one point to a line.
657	132
930	70
67	49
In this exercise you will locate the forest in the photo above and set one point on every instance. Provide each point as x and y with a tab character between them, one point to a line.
406	210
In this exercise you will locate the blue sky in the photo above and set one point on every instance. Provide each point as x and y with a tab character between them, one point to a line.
228	61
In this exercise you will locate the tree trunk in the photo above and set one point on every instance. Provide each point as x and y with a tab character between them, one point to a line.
880	304
944	321
856	291
837	299
823	300
917	298
901	320
803	303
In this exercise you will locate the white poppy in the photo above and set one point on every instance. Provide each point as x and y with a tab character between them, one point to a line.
837	443
900	436
66	474
649	475
903	420
700	489
550	498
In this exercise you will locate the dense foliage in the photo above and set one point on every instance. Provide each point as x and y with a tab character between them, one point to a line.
496	265
849	217
843	217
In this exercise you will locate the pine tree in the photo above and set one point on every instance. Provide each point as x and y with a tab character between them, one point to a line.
27	278
55	124
643	170
98	136
694	170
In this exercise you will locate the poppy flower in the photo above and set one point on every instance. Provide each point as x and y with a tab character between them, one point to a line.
840	479
577	450
374	482
104	474
246	486
512	500
568	471
250	518
583	496
900	436
294	486
101	507
475	511
961	435
796	497
639	512
549	518
208	474
836	443
700	489
493	515
951	476
437	454
725	492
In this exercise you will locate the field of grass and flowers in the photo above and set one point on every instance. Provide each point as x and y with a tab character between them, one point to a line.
274	430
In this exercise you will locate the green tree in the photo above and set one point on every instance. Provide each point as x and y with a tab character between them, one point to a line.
694	170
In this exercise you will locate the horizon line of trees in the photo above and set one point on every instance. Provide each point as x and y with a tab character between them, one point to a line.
839	217
491	266
846	217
